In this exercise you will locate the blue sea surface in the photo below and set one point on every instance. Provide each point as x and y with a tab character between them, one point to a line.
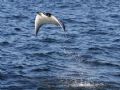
86	57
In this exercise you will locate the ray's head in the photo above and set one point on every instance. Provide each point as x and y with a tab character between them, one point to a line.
39	13
47	14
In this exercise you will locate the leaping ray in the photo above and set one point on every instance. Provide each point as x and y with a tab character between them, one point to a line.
46	18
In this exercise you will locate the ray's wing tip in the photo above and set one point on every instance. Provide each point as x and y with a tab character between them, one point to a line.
35	34
63	26
64	29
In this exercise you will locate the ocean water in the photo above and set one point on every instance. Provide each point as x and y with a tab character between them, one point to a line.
86	57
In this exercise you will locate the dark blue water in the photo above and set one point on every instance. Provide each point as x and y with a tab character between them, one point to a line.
86	57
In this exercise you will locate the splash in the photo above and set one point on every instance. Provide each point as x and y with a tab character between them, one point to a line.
86	84
83	85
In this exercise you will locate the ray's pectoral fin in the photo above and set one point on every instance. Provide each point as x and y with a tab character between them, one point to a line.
62	25
37	30
58	22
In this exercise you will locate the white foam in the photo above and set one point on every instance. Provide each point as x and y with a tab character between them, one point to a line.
85	84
